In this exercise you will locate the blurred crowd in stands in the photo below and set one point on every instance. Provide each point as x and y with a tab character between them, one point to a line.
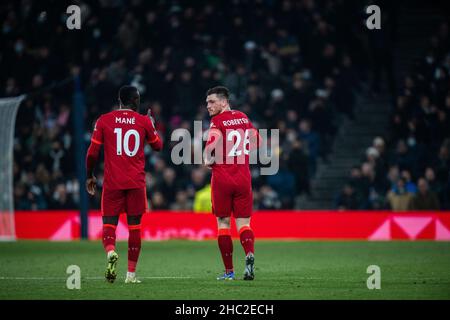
292	65
298	66
409	168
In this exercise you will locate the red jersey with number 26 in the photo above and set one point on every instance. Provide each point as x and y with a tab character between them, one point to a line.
234	133
124	134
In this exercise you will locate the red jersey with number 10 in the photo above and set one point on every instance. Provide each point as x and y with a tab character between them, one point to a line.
124	134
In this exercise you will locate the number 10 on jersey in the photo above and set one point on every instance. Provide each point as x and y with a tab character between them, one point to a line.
122	142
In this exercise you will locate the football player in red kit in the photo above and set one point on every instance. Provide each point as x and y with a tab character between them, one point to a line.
230	139
123	133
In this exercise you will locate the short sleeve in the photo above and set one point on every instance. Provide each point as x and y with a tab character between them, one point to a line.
97	134
214	133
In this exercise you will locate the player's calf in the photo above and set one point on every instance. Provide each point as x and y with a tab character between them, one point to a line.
134	245
109	235
109	243
247	239
226	249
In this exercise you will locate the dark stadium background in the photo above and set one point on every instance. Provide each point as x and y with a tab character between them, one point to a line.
359	111
309	68
364	122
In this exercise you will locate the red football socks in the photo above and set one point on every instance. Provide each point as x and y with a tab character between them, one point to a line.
109	237
134	246
226	248
247	239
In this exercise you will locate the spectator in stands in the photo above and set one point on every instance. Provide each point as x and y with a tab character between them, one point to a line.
393	176
283	183
372	155
202	200
158	202
442	163
382	160
418	140
433	184
312	141
360	188
271	68
409	184
347	199
182	202
267	199
368	183
61	200
297	163
167	185
402	156
424	199
399	198
21	199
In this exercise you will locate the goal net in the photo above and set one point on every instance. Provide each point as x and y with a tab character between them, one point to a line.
8	112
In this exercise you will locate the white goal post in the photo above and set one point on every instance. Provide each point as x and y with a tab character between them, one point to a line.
8	112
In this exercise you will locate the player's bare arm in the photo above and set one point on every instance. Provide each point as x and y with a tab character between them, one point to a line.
213	143
91	160
150	115
155	140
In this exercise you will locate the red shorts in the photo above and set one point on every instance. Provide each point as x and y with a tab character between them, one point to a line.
231	198
133	202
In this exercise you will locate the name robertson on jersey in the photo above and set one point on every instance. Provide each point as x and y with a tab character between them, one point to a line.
234	122
126	120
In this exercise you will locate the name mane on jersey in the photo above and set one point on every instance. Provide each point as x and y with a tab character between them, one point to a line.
125	120
234	122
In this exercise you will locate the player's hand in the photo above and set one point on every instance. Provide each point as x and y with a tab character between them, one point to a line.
91	183
150	115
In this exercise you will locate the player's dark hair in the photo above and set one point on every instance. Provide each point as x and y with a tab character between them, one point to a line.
220	91
128	95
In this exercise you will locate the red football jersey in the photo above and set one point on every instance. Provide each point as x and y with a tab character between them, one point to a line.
231	135
124	134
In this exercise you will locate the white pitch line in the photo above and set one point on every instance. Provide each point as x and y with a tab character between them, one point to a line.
84	278
156	277
31	278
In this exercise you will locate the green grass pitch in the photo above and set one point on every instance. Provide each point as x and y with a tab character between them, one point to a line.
188	270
